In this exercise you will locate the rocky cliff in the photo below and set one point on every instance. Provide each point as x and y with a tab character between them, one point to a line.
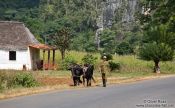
121	12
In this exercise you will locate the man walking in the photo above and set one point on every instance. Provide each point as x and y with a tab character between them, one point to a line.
104	69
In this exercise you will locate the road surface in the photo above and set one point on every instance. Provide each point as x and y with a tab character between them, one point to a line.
159	93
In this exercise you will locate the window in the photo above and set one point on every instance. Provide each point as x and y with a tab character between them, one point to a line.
12	55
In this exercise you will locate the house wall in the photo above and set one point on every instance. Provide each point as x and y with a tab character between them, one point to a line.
34	57
22	58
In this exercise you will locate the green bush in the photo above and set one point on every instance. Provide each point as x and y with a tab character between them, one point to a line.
114	66
124	48
2	80
25	80
6	80
89	59
68	60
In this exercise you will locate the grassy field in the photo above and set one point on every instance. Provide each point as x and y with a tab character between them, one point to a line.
129	63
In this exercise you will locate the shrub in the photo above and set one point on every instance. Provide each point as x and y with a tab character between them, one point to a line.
2	81
6	80
25	80
89	59
124	48
68	60
114	66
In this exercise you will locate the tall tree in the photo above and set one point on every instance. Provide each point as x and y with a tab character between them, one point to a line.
158	21
159	44
108	40
62	40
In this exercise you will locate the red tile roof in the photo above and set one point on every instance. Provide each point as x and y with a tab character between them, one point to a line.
43	46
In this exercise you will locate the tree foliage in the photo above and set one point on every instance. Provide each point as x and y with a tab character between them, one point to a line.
158	20
160	34
159	45
124	48
62	40
89	59
157	52
108	40
157	12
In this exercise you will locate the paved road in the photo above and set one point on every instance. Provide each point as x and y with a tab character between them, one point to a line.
145	94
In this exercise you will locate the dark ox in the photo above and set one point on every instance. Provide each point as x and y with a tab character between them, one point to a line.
88	75
77	72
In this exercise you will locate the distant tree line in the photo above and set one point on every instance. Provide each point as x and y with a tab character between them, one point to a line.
46	17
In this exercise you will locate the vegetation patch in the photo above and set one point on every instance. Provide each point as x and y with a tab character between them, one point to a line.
89	59
114	66
6	80
25	80
10	80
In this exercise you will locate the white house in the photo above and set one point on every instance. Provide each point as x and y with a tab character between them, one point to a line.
19	49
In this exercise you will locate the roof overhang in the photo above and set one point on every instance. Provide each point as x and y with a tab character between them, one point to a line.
43	47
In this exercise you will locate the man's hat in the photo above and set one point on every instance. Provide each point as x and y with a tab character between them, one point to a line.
104	57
